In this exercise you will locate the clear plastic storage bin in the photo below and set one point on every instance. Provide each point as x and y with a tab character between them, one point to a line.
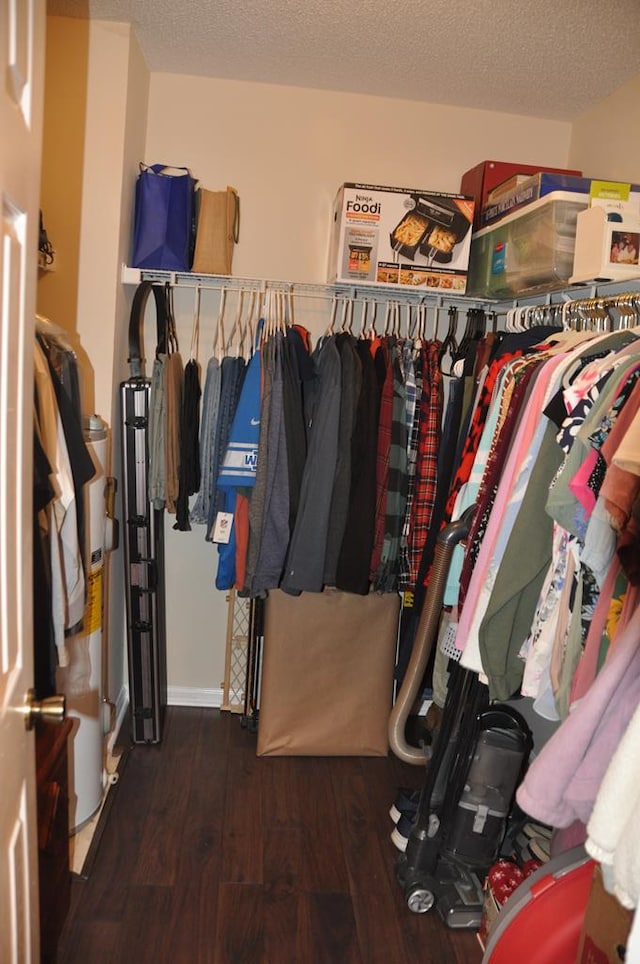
528	251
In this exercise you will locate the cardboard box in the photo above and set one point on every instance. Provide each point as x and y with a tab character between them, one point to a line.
393	236
614	195
605	928
480	180
531	189
606	250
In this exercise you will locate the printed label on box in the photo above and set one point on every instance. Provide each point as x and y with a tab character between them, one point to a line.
400	236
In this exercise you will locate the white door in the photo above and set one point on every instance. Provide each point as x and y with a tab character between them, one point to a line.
22	27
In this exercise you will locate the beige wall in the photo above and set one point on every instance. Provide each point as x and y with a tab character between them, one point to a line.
135	122
605	141
287	150
67	57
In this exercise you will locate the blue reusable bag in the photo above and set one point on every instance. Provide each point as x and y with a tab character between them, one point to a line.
164	218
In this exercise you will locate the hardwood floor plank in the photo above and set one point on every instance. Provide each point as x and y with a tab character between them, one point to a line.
193	927
333	930
325	868
365	852
461	950
286	936
167	807
379	928
240	936
272	860
105	898
242	843
281	805
147	925
283	861
193	930
93	940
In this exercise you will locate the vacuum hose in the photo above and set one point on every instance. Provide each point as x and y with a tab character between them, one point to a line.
426	632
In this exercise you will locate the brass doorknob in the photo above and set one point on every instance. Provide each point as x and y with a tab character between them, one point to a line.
52	709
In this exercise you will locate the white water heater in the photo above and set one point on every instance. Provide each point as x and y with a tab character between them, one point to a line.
81	680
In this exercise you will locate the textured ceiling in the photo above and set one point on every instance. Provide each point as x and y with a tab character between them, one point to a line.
541	58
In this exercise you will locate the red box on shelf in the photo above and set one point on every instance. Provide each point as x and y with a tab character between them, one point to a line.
485	176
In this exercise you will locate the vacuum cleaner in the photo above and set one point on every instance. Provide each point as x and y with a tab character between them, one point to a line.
477	760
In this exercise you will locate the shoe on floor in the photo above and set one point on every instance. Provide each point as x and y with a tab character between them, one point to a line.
401	831
406	801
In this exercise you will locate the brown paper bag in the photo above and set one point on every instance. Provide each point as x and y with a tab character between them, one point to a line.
327	674
217	230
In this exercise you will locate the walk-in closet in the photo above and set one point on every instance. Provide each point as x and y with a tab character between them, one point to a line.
323	644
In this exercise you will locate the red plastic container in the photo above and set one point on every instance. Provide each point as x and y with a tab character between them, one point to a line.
542	920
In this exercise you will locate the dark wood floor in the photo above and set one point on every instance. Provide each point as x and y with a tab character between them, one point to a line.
211	855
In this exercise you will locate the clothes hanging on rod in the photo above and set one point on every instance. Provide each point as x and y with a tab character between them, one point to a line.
62	466
397	559
189	468
517	546
337	491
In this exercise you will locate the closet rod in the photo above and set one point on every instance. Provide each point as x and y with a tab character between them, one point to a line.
382	295
303	289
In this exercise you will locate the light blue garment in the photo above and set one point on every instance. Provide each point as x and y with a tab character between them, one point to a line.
240	461
469	491
208	434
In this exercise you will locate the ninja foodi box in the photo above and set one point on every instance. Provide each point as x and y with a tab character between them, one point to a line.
400	236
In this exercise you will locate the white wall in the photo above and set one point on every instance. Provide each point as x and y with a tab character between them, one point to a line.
605	141
287	150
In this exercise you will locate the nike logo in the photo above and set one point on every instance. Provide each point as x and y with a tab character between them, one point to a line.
255	421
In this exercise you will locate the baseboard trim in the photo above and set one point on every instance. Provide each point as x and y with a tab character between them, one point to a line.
194	696
119	713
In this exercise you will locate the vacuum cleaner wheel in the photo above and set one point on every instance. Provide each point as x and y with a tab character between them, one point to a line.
421	896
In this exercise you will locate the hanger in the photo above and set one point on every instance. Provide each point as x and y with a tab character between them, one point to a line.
363	319
218	341
388	318
372	332
195	331
254	320
421	323
237	326
332	317
628	309
345	312
449	344
350	317
412	322
290	315
279	299
172	335
436	318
